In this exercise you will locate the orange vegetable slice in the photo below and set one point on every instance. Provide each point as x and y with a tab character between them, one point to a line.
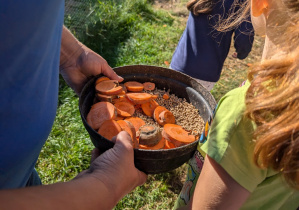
121	99
149	86
149	107
160	145
166	96
139	98
177	135
109	87
100	79
169	145
127	126
124	109
154	97
102	97
109	128
136	122
99	113
163	116
166	117
134	86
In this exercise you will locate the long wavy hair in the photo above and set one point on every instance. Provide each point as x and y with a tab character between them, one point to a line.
272	101
200	6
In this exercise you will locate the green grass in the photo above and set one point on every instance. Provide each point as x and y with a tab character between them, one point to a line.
124	33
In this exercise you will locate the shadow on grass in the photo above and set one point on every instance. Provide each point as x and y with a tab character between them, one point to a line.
112	23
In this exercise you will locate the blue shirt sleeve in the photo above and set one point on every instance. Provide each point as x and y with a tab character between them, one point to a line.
243	38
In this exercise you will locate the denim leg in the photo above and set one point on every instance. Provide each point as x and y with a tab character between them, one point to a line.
34	179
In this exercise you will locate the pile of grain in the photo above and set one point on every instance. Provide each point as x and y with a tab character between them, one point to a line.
186	114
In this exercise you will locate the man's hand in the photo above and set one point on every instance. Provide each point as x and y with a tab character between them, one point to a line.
115	168
78	63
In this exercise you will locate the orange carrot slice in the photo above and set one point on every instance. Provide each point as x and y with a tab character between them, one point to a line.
124	109
139	98
109	128
109	87
149	86
149	107
166	117
177	135
118	118
136	122
166	96
99	113
127	126
154	97
163	116
134	86
121	99
160	145
169	145
107	98
100	79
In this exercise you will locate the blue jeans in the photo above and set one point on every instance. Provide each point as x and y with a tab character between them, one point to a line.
34	179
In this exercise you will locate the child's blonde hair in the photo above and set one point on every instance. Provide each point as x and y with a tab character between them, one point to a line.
200	6
272	100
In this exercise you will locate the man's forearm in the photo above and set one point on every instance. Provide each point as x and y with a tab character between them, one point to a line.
71	48
83	193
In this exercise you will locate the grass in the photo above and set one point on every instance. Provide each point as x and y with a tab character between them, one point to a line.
124	33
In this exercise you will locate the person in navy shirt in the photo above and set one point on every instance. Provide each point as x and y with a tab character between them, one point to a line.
202	49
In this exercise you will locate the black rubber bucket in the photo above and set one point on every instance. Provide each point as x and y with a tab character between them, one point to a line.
183	86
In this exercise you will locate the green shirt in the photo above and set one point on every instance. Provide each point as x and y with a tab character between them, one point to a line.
229	143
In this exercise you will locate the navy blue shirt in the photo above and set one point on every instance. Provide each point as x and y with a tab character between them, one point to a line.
202	50
30	38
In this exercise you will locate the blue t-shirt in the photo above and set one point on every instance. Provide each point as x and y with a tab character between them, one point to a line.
202	50
30	38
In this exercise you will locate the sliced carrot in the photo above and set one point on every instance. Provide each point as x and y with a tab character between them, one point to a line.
127	126
169	145
109	128
100	79
163	116
154	97
122	94
124	109
166	117
160	145
134	86
149	107
139	98
149	135
99	113
149	86
118	118
177	135
109	87
136	122
166	96
121	99
102	97
157	112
